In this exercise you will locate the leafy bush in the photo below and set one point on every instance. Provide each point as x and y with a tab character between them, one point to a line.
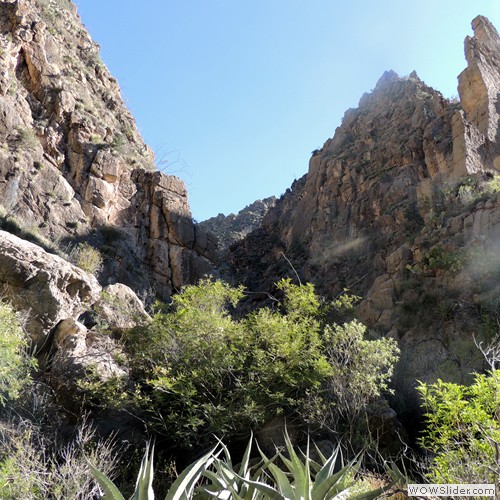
15	364
201	372
463	430
87	257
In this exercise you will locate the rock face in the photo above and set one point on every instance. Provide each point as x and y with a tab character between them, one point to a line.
55	298
232	228
402	206
478	86
120	309
73	166
46	286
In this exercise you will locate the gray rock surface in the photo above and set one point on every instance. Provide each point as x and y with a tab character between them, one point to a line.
229	229
44	286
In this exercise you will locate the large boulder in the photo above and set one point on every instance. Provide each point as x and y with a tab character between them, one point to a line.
44	285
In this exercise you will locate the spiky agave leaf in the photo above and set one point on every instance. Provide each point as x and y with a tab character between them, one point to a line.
144	483
226	482
183	486
111	492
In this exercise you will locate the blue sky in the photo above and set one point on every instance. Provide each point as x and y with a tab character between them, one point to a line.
234	95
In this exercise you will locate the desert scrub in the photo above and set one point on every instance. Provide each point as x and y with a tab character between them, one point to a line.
35	465
86	257
200	372
441	258
15	364
463	431
27	139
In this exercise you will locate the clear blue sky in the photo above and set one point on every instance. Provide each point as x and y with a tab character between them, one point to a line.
235	94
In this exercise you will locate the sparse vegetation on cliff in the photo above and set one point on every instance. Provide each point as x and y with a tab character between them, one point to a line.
15	362
87	257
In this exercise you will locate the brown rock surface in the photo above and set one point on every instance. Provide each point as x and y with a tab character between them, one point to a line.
46	286
72	163
119	308
401	206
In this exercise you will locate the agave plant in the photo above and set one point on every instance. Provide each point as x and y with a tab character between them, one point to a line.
305	479
300	479
181	489
228	482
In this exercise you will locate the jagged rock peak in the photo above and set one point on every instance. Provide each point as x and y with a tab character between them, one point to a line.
234	227
479	90
387	77
486	33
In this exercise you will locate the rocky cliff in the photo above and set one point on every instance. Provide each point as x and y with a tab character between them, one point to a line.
229	229
73	166
402	206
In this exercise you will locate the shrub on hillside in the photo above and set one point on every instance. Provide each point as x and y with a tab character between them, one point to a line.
87	257
200	372
15	364
463	430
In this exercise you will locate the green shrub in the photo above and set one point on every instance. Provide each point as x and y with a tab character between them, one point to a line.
87	257
361	370
15	364
463	430
201	372
493	185
441	258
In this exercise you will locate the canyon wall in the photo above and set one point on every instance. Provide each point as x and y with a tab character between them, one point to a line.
402	207
73	166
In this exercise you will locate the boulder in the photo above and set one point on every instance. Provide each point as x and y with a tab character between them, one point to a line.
120	308
46	286
81	356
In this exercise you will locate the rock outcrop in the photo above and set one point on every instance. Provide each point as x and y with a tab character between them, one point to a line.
48	288
229	229
402	206
73	324
73	166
